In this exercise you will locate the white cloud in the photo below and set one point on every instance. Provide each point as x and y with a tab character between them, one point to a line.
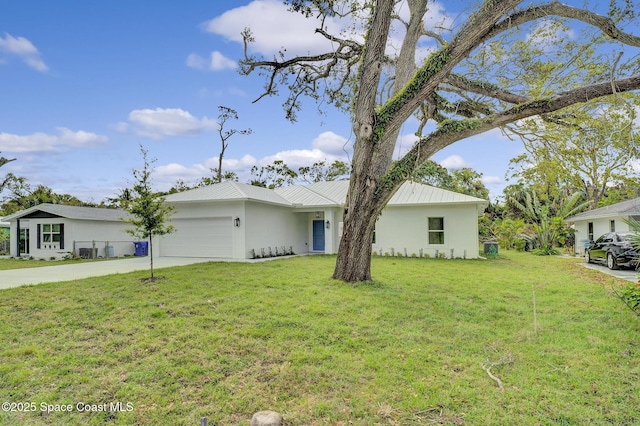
216	62
455	162
158	123
332	143
326	147
235	164
273	27
546	34
43	142
295	158
491	180
220	62
196	61
24	49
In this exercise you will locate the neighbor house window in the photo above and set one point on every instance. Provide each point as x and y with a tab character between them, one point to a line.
612	226
435	230
590	231
51	236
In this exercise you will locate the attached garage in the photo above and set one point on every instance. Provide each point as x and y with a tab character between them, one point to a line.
205	237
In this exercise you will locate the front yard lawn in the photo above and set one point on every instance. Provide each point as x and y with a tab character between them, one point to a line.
19	263
430	342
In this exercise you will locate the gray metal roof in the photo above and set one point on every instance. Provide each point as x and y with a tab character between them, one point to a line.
625	208
72	212
320	194
228	191
413	193
306	196
409	194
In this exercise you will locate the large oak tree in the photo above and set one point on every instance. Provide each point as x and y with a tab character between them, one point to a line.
507	61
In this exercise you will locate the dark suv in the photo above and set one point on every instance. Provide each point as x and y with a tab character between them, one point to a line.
614	249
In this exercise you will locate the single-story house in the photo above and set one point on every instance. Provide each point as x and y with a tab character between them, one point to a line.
239	221
52	231
592	224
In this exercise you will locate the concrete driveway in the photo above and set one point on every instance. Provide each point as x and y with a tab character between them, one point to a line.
625	274
48	274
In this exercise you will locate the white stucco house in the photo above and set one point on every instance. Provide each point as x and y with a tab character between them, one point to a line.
239	221
592	224
231	220
52	231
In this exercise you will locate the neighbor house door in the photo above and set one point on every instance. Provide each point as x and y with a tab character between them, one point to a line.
318	235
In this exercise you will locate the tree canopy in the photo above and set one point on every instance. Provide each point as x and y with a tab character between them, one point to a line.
504	62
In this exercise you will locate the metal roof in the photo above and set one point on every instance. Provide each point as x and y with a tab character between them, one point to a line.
72	212
305	196
320	194
625	208
228	191
409	194
413	193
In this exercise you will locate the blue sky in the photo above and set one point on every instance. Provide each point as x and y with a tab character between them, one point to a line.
84	83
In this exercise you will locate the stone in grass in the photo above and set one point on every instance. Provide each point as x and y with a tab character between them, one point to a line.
266	418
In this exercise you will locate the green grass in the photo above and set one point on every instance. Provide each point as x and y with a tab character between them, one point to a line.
20	263
225	340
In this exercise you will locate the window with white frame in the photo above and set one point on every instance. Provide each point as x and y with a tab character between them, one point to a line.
50	235
435	230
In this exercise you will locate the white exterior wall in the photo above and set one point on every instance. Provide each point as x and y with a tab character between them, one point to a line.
267	225
600	226
401	228
74	230
203	210
13	235
104	233
331	235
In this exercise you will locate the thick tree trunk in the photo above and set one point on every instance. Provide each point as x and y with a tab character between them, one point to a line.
371	161
354	254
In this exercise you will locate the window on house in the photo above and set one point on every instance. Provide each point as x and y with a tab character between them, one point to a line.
51	236
612	226
435	229
51	233
590	231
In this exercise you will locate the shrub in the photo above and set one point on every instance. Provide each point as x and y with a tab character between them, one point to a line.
630	295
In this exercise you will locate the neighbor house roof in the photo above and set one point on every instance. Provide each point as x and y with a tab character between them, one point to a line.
228	191
71	212
625	208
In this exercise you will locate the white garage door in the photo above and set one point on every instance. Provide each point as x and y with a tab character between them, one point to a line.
200	238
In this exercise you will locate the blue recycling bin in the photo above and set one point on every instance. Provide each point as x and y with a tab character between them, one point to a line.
141	248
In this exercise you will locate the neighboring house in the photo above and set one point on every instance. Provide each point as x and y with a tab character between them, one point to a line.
239	221
52	230
592	224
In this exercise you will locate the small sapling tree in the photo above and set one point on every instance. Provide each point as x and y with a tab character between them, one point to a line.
149	213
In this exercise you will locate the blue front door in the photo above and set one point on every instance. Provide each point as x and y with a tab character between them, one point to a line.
318	235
